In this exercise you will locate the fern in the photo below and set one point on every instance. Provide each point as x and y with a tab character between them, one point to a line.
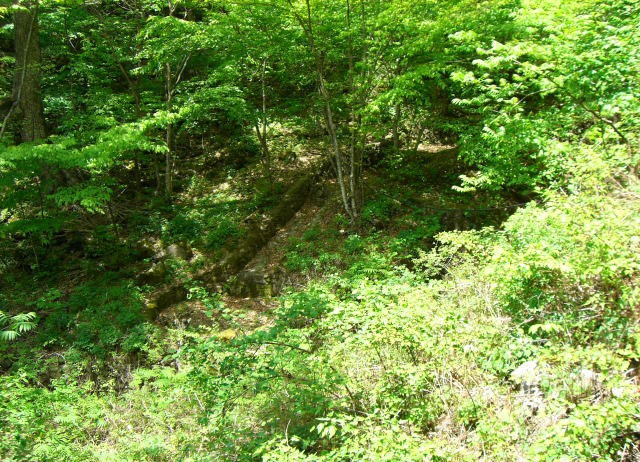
11	327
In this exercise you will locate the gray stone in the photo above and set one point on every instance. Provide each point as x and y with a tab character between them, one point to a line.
179	251
528	377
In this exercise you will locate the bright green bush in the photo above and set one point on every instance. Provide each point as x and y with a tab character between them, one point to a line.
574	260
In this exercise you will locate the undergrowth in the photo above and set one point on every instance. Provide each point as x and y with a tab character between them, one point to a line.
378	362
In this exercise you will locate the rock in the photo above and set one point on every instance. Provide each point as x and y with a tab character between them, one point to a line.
183	315
180	251
154	275
528	377
163	298
587	384
143	250
588	379
255	238
250	283
526	373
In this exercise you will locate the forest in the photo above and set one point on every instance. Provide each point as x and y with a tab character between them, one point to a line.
319	230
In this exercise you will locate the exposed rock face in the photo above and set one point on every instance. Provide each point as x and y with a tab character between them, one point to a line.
183	315
179	250
157	273
587	384
174	294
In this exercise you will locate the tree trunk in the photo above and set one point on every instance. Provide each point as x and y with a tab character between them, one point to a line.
354	179
170	135
27	97
171	82
262	125
396	129
168	165
307	26
133	89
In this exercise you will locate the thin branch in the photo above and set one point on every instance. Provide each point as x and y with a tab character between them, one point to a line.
182	69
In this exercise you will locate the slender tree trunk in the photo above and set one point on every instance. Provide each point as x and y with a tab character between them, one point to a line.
156	169
170	135
171	83
419	137
27	97
133	89
262	125
336	149
354	178
396	128
168	170
307	27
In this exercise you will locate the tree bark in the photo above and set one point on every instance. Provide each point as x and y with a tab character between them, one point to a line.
27	96
133	89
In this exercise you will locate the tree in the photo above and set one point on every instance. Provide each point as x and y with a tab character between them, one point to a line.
27	96
169	43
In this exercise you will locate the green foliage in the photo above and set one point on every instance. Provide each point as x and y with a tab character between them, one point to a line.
577	251
210	222
567	76
96	318
392	340
305	255
66	421
11	327
46	207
